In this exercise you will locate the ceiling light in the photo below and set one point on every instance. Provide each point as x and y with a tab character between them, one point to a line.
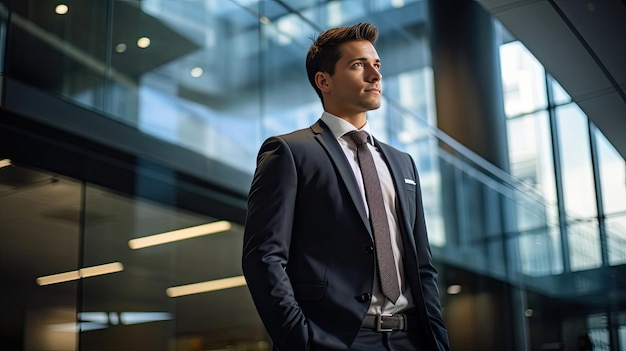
213	285
264	20
180	234
529	312
454	289
61	9
143	42
5	163
120	48
196	72
81	273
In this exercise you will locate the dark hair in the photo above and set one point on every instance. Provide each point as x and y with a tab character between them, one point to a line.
324	53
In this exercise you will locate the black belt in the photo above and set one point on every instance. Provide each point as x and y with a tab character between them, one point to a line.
388	322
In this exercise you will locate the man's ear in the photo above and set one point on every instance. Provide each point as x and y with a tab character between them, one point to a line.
322	81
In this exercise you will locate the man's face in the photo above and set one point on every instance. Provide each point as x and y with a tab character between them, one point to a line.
355	87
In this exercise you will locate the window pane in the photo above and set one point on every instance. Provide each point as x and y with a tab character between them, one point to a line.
616	239
530	154
559	95
523	80
612	175
578	188
577	173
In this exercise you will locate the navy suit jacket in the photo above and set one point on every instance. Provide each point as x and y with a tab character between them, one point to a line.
307	254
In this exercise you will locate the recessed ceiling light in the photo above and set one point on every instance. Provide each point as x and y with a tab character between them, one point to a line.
454	289
529	312
143	42
196	72
120	48
61	9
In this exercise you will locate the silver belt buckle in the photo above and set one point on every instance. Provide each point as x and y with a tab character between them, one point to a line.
379	322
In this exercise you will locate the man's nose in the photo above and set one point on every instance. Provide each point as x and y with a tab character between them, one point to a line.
374	75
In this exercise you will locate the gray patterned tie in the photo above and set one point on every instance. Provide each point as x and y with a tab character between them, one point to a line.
378	218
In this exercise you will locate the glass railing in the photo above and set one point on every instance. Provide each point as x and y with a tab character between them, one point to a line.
483	219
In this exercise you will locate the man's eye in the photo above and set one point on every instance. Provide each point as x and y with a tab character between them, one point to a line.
358	64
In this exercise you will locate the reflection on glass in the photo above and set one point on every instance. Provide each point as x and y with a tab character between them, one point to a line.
39	235
198	288
616	239
86	272
179	234
584	244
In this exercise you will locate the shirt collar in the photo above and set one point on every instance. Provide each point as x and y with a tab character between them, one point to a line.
339	127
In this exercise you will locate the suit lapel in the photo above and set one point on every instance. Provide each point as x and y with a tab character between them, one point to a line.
395	168
326	138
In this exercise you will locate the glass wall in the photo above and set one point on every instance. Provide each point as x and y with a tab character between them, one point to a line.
557	151
99	270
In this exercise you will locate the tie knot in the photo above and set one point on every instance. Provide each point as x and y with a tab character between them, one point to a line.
359	137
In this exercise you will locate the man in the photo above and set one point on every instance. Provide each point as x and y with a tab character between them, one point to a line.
310	256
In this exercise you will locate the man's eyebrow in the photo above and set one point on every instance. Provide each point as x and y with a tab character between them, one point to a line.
363	59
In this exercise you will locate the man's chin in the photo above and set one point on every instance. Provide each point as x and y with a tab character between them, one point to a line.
374	106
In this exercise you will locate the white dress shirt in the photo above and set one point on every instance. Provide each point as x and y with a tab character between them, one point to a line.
339	128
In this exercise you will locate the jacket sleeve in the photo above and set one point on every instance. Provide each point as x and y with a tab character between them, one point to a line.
267	238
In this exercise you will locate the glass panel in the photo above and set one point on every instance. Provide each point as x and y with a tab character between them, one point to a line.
578	187
186	92
62	49
540	251
577	173
598	326
150	303
289	101
616	239
40	226
584	244
530	153
612	169
559	95
523	80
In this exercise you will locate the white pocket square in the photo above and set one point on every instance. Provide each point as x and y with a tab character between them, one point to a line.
410	181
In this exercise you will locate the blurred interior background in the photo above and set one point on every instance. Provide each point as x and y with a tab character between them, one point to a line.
125	119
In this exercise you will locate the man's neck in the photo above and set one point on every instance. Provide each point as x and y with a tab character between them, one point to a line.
357	120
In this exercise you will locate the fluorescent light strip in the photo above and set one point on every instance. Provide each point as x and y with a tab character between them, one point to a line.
180	234
5	162
81	273
213	285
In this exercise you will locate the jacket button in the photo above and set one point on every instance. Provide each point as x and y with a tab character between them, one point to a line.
369	249
365	297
